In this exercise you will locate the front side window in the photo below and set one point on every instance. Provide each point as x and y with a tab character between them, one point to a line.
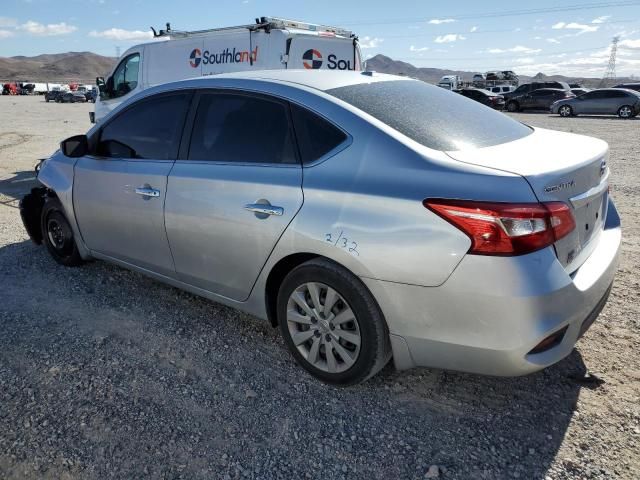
243	129
150	129
125	78
432	116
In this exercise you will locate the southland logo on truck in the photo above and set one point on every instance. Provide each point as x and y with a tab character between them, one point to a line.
312	59
225	56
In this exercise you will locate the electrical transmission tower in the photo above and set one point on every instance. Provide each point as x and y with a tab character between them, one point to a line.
610	72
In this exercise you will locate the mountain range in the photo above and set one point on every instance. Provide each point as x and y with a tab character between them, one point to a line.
84	67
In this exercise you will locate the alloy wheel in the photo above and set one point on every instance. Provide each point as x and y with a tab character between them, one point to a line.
625	112
565	111
323	327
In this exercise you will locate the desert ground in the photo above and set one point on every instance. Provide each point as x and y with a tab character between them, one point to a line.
105	373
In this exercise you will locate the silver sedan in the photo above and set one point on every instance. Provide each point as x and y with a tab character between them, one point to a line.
603	101
368	216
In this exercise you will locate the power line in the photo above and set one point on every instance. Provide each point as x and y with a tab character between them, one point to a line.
508	13
504	30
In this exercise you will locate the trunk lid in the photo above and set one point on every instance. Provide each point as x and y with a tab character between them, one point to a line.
559	167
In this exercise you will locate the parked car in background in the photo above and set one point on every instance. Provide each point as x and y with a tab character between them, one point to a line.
91	95
630	86
483	96
577	91
530	87
540	99
478	79
450	82
354	259
71	97
501	89
494	76
603	101
52	95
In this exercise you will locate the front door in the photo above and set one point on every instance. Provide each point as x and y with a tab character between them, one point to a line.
232	196
119	191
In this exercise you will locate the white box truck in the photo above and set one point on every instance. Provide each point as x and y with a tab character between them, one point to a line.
270	43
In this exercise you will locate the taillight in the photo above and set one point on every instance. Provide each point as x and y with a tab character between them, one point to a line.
506	229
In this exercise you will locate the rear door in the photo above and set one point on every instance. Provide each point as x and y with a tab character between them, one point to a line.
591	102
313	52
119	191
234	190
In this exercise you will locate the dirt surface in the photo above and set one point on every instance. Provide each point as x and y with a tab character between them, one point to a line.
105	373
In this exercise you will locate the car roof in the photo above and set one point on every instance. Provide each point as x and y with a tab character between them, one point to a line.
317	79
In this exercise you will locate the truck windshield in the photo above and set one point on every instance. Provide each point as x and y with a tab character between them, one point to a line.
432	116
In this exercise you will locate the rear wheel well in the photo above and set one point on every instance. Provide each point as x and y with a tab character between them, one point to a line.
275	278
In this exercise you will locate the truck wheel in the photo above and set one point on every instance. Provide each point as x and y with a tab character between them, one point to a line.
57	234
513	107
332	324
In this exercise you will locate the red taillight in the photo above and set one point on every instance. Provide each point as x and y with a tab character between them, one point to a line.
506	228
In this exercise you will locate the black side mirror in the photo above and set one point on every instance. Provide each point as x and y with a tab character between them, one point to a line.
100	84
76	146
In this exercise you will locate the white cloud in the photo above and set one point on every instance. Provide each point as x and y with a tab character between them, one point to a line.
51	29
553	40
632	44
5	34
368	42
516	49
448	38
601	19
413	48
8	22
524	60
439	21
583	28
120	34
473	29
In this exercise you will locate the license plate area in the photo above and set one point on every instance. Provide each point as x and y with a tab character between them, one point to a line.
590	217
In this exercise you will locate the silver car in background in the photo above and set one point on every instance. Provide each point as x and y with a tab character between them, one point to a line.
369	216
603	101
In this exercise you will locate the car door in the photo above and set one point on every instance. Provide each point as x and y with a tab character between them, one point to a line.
590	102
119	190
234	190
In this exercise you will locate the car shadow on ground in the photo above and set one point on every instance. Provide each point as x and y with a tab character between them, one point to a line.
165	361
16	187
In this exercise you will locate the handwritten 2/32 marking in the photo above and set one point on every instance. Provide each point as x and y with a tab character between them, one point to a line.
341	241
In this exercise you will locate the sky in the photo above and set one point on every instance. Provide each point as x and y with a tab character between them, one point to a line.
553	36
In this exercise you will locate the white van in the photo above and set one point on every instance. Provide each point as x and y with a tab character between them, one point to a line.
270	43
450	82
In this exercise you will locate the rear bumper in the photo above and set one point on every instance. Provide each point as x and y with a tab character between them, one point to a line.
492	311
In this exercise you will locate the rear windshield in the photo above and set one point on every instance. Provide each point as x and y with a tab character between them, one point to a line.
432	116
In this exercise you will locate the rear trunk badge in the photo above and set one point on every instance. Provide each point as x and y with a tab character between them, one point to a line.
559	186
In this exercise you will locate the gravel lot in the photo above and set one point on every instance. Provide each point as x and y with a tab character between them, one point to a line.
105	373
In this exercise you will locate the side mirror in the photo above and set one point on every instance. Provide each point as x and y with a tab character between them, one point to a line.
100	84
76	146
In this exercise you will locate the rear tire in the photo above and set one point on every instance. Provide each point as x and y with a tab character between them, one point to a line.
565	111
57	234
513	107
331	324
625	111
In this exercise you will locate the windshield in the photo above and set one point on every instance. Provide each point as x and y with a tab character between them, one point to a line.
432	116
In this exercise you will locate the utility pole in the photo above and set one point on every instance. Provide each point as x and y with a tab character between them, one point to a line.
117	52
610	72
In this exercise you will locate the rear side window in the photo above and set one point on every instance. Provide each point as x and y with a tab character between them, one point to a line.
316	136
432	116
150	129
243	129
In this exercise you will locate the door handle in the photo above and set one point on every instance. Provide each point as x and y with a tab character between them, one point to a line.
264	209
147	192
